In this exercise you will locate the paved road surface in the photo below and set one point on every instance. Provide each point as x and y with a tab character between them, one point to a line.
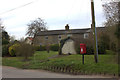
11	72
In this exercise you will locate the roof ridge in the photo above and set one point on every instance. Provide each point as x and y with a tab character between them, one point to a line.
60	32
66	30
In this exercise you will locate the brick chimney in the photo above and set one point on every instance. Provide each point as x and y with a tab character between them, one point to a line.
67	27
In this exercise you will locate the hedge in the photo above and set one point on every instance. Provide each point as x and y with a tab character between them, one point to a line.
110	52
54	47
40	48
5	50
5	42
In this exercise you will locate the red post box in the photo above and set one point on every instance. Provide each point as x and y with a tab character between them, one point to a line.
82	48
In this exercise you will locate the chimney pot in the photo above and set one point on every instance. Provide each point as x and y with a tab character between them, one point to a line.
67	27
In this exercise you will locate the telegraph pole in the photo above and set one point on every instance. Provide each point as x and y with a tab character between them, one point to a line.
94	32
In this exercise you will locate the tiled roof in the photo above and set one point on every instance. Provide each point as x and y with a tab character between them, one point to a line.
71	31
30	38
59	32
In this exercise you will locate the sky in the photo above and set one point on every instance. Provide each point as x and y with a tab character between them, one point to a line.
16	14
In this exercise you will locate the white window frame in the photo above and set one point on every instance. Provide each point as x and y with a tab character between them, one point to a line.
46	37
69	35
86	35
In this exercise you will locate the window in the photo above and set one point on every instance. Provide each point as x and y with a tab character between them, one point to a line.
59	37
46	37
69	35
85	35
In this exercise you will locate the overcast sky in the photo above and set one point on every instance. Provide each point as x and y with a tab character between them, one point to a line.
57	13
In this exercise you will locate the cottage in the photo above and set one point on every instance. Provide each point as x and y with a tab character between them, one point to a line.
29	40
55	36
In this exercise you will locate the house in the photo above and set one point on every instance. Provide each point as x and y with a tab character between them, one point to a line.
29	40
55	36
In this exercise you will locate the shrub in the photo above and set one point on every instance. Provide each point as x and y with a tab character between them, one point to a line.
89	50
5	50
5	42
54	47
101	49
40	48
113	46
110	52
12	49
36	48
25	50
78	50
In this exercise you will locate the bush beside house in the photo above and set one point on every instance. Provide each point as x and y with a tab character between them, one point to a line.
12	49
40	48
5	50
54	47
25	50
5	42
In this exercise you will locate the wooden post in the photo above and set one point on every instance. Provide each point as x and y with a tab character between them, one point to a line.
94	31
83	58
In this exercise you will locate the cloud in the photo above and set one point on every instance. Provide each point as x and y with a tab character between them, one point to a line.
57	13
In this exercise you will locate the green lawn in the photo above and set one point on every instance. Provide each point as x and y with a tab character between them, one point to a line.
106	63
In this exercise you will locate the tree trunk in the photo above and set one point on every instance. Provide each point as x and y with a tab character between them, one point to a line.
33	39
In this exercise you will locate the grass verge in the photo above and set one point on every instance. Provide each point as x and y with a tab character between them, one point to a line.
41	59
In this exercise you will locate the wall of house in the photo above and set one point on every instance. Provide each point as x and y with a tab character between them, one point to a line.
52	39
55	39
79	38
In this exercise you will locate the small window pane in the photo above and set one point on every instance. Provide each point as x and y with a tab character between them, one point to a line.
69	35
85	35
59	37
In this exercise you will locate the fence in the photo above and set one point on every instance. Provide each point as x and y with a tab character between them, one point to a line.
75	72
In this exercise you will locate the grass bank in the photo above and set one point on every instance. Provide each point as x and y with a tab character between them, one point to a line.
44	60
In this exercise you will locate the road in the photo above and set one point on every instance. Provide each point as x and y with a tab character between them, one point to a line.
11	72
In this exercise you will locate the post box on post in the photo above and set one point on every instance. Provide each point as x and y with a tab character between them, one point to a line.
82	51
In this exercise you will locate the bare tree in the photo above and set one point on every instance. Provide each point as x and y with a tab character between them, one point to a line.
35	27
111	11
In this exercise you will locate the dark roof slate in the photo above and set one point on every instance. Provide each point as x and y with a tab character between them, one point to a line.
71	31
60	32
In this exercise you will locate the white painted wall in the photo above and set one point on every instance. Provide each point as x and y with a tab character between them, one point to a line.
28	41
68	47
